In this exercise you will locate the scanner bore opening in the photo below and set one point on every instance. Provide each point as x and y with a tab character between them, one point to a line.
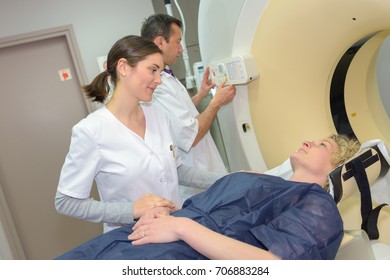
337	100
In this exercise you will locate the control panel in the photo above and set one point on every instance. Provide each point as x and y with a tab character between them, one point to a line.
235	70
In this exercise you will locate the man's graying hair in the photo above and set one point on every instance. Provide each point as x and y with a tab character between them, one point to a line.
159	25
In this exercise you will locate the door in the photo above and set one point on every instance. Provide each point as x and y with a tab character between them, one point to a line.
40	102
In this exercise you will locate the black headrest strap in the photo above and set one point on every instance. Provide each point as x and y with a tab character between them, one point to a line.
369	215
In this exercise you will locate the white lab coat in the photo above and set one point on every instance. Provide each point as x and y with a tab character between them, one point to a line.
173	98
124	166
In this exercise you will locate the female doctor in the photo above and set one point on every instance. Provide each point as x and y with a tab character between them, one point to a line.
126	146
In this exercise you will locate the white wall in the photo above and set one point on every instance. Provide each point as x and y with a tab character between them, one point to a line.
383	70
97	23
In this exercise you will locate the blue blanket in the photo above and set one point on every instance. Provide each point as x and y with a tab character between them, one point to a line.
293	220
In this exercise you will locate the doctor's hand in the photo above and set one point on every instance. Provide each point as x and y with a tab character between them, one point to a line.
223	95
206	85
162	229
150	201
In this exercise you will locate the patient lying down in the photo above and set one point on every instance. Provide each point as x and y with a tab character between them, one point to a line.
243	215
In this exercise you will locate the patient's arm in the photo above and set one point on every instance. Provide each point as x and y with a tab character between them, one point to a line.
216	246
207	242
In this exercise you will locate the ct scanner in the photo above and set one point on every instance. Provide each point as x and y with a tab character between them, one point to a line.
316	61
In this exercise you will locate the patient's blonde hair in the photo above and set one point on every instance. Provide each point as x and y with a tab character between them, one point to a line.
346	148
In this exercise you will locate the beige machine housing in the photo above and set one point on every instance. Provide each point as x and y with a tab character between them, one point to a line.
299	47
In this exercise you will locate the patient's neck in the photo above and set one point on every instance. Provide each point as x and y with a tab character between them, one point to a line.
309	178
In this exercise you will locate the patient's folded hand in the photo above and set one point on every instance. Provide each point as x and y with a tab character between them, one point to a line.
155	229
157	211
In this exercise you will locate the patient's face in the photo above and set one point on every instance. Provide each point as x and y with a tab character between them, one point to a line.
315	156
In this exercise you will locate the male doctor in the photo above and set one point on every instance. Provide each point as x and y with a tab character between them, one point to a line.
191	129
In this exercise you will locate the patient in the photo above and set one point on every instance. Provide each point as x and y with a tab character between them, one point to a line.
244	215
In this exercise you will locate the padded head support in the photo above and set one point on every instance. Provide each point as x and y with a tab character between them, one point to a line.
342	179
